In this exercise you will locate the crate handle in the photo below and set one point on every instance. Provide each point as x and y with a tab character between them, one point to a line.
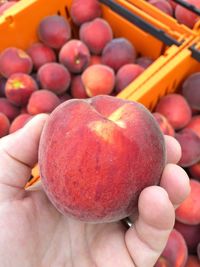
142	24
188	6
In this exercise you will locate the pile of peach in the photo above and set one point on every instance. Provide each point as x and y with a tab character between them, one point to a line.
61	66
178	115
183	15
6	4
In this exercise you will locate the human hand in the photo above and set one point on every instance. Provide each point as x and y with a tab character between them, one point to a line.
34	234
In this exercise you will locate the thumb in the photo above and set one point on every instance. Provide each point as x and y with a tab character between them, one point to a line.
18	155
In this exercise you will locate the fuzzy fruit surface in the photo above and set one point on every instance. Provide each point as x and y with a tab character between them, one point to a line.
97	155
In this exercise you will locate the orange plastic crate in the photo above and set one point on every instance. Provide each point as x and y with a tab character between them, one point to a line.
19	23
169	78
165	19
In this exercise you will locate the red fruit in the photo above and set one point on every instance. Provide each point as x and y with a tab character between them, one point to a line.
42	101
175	251
19	88
64	97
75	56
77	88
54	77
94	59
191	91
194	124
54	31
163	5
96	34
190	143
127	74
21	62
41	54
4	125
2	86
189	212
8	108
83	142
118	52
83	11
165	126
144	62
98	80
176	109
185	16
193	261
191	234
19	122
194	171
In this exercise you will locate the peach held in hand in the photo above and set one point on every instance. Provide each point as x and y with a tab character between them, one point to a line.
97	155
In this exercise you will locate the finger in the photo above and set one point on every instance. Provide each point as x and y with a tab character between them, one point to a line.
173	149
18	154
176	182
147	238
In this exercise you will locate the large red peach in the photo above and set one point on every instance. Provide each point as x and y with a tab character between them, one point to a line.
175	251
8	108
19	88
42	101
191	90
176	109
189	212
4	125
191	234
14	60
77	88
75	56
186	16
19	122
41	54
190	143
165	126
163	5
194	124
96	34
98	80
118	52
127	74
84	11
82	143
54	31
54	77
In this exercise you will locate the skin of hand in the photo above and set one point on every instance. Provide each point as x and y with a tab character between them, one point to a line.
34	234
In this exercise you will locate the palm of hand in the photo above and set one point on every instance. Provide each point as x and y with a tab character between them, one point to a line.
38	232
